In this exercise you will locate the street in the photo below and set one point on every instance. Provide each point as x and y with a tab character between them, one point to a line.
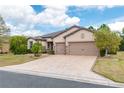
16	80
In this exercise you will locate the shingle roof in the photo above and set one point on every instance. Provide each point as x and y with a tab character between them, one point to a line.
37	38
51	35
54	34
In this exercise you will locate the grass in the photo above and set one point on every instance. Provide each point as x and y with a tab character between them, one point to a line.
10	59
111	67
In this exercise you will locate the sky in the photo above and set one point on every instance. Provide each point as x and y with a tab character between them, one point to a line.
37	20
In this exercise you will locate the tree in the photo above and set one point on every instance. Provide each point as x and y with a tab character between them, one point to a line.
122	41
18	44
91	28
123	31
36	49
104	27
4	30
107	40
4	33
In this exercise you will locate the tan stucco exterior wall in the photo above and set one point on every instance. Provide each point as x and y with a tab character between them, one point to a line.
60	37
44	43
49	39
77	37
28	44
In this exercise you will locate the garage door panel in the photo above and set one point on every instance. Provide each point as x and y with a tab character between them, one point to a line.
60	48
83	48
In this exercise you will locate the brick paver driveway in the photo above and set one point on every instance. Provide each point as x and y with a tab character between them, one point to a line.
76	67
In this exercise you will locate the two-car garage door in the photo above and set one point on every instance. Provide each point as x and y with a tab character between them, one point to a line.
77	48
83	48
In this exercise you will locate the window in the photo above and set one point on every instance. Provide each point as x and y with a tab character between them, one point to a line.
50	45
82	35
31	44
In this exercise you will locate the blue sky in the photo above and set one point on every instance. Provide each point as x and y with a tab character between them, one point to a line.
38	19
90	16
94	16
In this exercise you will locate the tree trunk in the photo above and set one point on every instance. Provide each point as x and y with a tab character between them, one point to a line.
106	52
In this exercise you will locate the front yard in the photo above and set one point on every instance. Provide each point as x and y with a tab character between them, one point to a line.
111	67
10	59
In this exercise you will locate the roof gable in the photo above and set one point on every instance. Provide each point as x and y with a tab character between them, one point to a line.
77	31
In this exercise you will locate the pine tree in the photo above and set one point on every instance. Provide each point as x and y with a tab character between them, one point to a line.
4	30
4	33
91	28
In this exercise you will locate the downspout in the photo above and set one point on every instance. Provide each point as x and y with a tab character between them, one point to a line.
65	46
54	48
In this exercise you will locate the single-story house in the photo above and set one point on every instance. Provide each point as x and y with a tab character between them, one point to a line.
72	41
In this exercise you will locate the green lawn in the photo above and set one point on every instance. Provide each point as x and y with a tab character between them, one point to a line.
10	59
111	67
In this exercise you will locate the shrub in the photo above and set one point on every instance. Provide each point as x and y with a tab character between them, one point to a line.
18	44
112	52
36	49
102	52
29	51
121	47
50	51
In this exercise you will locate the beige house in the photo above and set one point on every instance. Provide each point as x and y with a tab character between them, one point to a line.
72	41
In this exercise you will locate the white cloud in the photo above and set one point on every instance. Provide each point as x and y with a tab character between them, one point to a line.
99	7
102	7
22	30
72	21
116	26
23	19
56	16
20	19
17	13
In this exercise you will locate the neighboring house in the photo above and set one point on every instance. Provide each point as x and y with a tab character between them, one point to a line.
72	41
5	47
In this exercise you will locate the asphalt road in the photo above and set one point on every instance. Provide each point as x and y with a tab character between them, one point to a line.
16	80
